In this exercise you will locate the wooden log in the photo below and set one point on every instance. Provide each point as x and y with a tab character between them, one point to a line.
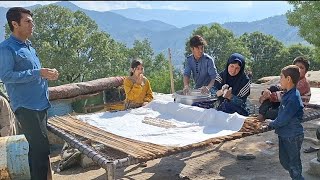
84	88
14	158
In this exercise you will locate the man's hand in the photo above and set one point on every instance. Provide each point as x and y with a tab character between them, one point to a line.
186	90
204	90
49	74
268	121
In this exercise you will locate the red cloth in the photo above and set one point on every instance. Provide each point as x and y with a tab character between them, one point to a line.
304	88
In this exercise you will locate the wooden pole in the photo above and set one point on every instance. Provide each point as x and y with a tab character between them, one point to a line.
171	71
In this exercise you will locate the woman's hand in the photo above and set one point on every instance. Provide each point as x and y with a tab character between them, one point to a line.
266	94
225	86
140	79
227	93
219	93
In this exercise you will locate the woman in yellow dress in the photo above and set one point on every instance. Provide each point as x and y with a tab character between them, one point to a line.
137	86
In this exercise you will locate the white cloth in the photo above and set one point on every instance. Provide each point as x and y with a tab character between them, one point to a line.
192	124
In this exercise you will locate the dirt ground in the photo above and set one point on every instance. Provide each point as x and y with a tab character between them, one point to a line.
212	162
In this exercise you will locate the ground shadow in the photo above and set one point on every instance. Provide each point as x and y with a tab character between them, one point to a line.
162	170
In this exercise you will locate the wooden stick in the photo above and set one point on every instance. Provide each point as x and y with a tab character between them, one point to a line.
171	71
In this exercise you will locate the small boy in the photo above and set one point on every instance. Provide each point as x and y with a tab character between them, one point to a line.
270	98
288	123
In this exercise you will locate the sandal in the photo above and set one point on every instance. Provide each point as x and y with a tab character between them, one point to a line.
245	156
310	150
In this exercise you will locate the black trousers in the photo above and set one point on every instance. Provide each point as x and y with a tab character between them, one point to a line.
34	127
269	110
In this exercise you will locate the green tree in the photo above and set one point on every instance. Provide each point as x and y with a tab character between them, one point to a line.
306	16
263	49
221	44
287	55
107	57
71	43
306	51
178	79
160	74
156	67
142	49
61	38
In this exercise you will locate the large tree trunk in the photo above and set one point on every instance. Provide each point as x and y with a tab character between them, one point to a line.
76	89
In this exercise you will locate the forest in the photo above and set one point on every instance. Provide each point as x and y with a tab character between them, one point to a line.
72	43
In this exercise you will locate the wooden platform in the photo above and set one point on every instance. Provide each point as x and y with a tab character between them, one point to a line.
147	151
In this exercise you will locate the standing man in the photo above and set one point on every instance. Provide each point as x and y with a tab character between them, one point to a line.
27	87
201	65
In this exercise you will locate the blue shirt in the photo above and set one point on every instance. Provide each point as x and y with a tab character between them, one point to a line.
288	122
203	70
20	73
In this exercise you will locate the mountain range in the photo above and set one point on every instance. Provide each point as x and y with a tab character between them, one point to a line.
163	35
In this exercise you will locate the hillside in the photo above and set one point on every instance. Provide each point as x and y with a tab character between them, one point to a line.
164	36
276	26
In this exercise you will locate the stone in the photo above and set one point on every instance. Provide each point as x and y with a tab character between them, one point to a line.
269	143
54	139
86	162
314	167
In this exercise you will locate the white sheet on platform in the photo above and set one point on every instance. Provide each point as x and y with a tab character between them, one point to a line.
193	124
315	96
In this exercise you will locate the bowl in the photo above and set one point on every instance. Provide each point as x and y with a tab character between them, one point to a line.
194	96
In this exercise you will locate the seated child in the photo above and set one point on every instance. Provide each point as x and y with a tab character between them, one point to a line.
232	87
270	98
287	125
137	87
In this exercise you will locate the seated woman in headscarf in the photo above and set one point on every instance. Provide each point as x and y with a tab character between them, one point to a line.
232	87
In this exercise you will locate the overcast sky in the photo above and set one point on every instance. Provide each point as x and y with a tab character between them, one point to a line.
269	8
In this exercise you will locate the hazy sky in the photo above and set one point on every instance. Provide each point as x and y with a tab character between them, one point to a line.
264	7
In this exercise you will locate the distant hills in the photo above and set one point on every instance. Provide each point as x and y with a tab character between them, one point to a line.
163	35
179	18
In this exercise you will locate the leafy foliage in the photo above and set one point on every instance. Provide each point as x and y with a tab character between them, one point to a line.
263	49
306	15
265	56
221	44
72	43
142	49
